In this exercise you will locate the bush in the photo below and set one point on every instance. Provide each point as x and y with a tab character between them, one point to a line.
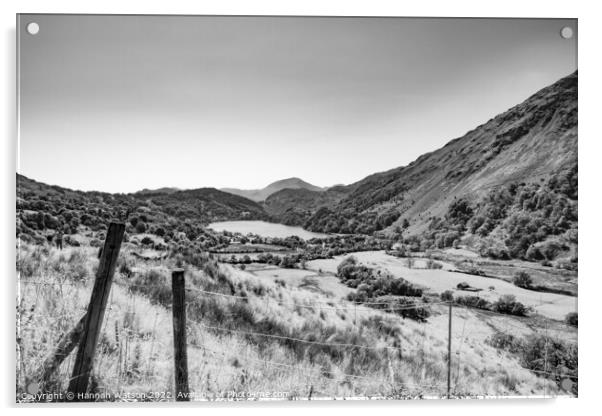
140	227
447	296
473	301
557	358
571	318
95	242
506	342
154	284
509	305
548	357
522	279
432	264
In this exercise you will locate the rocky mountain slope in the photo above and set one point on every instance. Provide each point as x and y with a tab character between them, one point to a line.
259	195
529	151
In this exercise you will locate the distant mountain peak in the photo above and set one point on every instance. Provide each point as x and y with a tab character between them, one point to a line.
262	194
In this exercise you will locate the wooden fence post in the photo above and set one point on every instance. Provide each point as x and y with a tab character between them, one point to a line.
449	351
67	343
179	335
78	384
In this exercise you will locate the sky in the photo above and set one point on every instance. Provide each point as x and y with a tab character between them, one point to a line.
122	103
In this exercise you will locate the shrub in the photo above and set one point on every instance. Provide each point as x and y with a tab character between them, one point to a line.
447	296
432	264
473	301
557	358
95	242
522	279
153	284
534	253
551	249
405	307
571	318
506	342
509	305
140	227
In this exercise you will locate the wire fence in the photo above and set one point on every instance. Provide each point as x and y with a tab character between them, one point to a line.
123	338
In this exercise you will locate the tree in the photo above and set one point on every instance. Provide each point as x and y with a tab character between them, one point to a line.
522	279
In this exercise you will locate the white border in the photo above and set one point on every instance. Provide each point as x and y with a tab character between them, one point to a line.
590	96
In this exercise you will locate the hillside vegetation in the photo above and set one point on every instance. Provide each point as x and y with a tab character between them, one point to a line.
515	177
316	345
175	216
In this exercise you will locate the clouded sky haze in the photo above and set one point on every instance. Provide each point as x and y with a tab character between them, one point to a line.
121	103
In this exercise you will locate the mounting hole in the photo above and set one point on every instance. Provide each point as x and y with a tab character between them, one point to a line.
566	384
566	32
33	28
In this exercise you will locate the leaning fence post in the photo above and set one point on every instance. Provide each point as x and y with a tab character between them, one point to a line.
67	343
179	335
78	384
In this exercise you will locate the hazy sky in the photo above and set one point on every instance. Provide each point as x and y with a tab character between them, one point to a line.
121	103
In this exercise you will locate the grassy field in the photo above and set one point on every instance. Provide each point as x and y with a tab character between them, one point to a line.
551	305
287	331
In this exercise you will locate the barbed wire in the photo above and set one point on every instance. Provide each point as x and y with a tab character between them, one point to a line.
302	305
313	306
344	376
333	344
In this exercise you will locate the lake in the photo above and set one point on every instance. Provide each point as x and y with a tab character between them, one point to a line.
264	229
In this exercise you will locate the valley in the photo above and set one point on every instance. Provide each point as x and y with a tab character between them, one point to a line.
340	292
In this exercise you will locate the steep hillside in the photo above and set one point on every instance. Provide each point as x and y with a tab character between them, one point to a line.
533	142
262	194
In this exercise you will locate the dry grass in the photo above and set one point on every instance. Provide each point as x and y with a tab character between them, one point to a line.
135	348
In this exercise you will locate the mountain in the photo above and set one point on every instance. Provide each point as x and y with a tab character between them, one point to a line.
508	187
259	195
206	205
42	207
526	154
296	206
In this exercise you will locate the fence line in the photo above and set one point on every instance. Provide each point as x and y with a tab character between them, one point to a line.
322	377
308	372
312	306
333	344
302	305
